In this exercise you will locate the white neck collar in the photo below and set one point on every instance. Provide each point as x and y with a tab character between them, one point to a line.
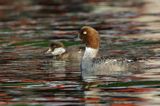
90	52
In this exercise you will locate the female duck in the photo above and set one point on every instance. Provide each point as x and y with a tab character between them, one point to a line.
90	65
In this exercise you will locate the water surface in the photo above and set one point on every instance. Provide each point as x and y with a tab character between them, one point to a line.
29	77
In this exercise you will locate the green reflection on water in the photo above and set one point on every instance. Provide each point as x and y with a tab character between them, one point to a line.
43	43
26	105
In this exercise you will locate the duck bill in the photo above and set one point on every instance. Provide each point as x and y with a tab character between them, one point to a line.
80	38
77	38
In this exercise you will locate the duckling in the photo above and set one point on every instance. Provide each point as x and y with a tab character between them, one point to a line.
58	50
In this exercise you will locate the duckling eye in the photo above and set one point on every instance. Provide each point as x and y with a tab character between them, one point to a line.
84	32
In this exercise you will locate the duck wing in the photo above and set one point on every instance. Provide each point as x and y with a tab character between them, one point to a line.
114	65
105	59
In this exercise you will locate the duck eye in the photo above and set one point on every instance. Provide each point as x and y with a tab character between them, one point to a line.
84	32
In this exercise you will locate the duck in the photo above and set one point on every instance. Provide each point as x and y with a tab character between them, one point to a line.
60	52
92	65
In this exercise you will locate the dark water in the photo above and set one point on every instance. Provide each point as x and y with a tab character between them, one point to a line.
28	77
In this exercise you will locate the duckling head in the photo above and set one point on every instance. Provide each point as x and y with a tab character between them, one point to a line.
56	48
